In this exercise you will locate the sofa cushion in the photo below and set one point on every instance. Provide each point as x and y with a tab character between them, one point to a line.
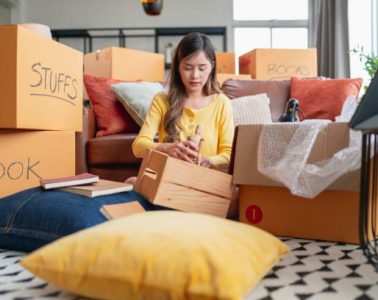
160	255
251	110
111	116
115	172
35	217
323	99
112	149
277	90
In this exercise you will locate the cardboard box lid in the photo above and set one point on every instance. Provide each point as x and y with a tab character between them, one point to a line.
245	153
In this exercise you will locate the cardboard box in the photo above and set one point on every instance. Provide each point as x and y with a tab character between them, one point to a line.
27	156
279	63
222	77
180	185
40	82
225	62
125	64
333	215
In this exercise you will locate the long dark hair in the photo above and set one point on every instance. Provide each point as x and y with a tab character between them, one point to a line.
190	45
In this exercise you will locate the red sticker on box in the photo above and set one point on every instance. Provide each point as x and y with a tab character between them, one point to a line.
253	214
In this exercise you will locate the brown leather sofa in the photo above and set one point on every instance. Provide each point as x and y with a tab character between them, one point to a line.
111	156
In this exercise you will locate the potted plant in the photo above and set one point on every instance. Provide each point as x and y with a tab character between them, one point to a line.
369	60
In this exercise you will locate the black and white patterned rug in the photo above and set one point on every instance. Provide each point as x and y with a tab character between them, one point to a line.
312	270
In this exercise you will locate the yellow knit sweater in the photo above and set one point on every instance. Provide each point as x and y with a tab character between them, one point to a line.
216	119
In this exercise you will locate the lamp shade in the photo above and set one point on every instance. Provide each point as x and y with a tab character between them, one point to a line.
152	7
38	28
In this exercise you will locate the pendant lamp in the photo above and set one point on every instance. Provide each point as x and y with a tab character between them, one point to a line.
152	7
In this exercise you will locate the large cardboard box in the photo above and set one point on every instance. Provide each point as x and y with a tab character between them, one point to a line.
225	62
279	63
332	215
222	77
125	64
177	184
27	156
40	82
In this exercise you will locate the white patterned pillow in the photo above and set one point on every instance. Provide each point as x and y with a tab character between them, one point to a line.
251	110
136	97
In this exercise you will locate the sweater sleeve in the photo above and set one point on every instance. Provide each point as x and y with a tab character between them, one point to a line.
225	138
154	117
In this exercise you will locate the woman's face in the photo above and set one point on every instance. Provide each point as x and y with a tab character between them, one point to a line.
194	72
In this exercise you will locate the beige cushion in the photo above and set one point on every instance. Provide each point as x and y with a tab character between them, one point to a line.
277	90
252	110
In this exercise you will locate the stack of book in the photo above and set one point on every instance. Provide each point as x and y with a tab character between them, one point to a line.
90	185
86	184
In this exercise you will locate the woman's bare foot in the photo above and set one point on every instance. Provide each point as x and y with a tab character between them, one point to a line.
131	180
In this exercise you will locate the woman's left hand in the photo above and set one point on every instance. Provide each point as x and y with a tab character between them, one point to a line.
206	162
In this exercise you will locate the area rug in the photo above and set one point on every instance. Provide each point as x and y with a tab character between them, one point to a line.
312	270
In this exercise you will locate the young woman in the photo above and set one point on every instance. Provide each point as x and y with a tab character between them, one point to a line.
193	98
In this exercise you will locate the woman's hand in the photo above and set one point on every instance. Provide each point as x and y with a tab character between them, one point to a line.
206	162
185	150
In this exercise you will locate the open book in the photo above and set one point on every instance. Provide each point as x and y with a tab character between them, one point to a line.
114	211
100	188
83	178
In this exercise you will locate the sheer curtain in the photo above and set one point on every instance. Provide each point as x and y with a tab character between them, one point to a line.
328	32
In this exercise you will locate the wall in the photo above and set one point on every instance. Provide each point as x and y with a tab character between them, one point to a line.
5	15
62	14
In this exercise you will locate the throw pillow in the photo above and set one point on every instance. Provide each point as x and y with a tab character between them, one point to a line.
251	110
323	99
277	90
35	217
111	117
160	255
136	97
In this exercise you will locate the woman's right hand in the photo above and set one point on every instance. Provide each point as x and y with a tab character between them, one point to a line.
185	150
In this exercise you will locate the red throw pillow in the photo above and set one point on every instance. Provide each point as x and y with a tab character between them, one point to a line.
111	116
323	99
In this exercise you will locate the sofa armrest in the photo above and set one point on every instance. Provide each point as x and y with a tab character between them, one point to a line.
89	131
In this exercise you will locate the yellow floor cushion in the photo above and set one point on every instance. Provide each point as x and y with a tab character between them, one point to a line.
159	255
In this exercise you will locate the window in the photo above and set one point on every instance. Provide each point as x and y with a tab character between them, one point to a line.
270	24
270	10
362	33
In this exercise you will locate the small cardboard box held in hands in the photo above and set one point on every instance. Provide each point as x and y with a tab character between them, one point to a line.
180	185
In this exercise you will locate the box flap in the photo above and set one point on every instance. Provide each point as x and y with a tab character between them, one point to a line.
245	152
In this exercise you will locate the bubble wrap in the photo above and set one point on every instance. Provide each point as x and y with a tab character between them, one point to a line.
287	162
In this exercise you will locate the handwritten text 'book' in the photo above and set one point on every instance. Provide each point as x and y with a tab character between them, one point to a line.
115	211
84	178
100	188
